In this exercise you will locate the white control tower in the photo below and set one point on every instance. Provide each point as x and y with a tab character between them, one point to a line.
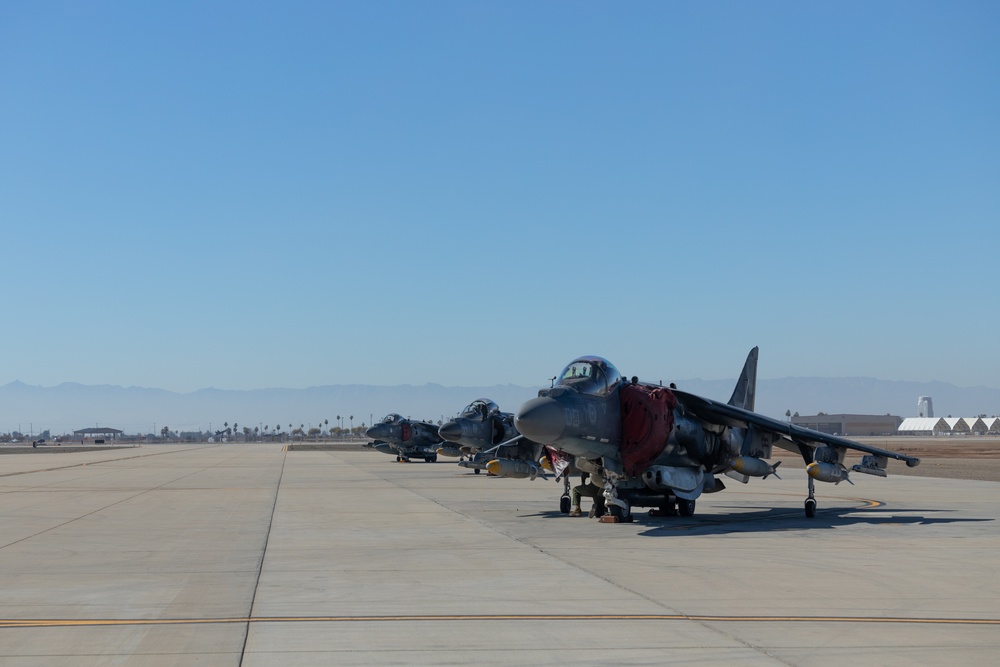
925	408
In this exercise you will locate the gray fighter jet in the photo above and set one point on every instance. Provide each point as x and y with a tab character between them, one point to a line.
407	439
660	447
479	431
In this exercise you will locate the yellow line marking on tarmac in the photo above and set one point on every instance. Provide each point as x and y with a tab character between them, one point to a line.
62	623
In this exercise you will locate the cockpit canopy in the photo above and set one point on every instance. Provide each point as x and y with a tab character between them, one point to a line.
590	375
392	419
479	409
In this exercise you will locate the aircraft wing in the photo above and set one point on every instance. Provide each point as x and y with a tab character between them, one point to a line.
793	438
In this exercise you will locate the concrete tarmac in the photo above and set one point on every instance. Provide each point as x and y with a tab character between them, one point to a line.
252	555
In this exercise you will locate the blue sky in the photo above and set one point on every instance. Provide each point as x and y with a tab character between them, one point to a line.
248	195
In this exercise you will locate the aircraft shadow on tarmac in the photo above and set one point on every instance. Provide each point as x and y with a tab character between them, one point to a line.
778	519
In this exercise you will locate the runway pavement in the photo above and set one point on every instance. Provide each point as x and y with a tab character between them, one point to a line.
252	555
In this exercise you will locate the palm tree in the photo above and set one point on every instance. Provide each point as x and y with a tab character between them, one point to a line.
352	424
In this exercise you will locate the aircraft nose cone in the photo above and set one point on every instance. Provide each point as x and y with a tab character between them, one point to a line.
375	432
451	431
541	419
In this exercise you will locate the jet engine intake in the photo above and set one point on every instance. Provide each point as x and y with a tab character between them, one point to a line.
690	435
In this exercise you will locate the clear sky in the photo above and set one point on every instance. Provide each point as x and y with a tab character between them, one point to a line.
287	194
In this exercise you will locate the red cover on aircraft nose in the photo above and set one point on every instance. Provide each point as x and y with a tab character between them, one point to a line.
647	418
406	432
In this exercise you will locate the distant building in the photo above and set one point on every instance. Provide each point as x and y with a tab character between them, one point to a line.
949	426
925	407
923	426
850	424
957	425
96	433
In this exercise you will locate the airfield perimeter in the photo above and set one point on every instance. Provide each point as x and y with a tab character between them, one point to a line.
254	555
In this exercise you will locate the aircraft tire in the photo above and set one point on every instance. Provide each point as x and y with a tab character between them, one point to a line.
810	508
564	504
685	507
432	458
623	516
475	471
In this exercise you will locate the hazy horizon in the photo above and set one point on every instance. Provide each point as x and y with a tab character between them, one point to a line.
760	378
69	406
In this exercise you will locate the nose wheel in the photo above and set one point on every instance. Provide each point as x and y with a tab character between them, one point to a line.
617	509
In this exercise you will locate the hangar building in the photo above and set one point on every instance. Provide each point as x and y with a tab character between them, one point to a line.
850	424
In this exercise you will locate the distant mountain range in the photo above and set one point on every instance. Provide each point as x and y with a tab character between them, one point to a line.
69	406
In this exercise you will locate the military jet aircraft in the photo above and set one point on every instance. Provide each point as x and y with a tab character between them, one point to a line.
479	431
407	439
662	447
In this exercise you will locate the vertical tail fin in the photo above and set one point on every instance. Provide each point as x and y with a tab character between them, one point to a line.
746	386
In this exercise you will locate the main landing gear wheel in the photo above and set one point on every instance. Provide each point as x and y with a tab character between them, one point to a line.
668	508
685	507
810	507
475	470
564	504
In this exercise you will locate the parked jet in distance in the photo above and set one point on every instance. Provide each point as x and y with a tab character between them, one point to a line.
479	431
661	447
408	439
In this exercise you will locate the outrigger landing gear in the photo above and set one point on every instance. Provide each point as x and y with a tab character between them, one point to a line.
811	501
564	501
